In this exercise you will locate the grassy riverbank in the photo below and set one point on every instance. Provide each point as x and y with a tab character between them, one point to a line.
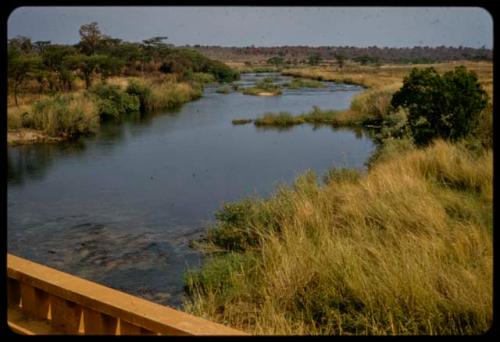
372	106
71	114
404	249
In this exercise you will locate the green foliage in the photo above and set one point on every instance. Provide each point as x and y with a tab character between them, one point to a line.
276	61
241	121
304	83
20	68
395	125
113	102
87	65
202	77
142	92
278	119
90	35
340	58
223	90
63	115
232	231
314	59
444	106
183	61
365	59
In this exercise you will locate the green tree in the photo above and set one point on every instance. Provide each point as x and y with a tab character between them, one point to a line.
20	69
276	61
22	44
340	60
90	37
444	106
314	59
86	66
54	60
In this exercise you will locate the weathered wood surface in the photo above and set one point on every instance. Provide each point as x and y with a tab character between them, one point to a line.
68	304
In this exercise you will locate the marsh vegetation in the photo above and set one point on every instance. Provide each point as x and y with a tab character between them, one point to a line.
403	248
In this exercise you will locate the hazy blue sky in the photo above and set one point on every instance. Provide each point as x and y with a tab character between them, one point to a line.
264	26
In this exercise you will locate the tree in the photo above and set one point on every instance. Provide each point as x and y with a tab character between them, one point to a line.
276	61
314	59
86	66
340	58
22	44
90	37
41	45
19	69
444	106
54	59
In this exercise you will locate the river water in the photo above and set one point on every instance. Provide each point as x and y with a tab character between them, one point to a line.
121	207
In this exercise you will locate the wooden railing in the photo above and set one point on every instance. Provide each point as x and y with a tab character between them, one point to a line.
42	300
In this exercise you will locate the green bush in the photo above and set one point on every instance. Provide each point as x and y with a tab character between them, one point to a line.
63	115
444	106
223	90
113	102
188	62
142	92
232	231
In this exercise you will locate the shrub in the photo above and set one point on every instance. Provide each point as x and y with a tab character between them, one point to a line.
113	102
63	115
241	121
223	90
395	125
142	92
278	119
444	106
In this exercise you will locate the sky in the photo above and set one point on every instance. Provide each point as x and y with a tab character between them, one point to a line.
264	26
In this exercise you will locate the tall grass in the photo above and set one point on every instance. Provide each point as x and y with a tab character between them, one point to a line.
163	95
63	115
375	104
404	249
297	83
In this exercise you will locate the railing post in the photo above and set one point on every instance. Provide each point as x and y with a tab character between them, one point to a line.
65	315
13	293
97	323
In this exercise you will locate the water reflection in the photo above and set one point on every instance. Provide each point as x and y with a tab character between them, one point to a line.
32	161
120	207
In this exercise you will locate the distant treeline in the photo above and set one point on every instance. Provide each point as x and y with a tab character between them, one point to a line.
55	67
365	55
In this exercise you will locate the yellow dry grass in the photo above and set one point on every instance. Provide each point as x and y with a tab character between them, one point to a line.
405	250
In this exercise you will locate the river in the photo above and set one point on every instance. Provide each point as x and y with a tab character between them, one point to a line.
120	208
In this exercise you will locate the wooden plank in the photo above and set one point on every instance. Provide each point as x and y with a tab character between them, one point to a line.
137	311
22	324
127	328
96	323
65	315
13	293
28	303
42	304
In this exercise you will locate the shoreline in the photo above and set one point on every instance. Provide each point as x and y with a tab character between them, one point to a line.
28	136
